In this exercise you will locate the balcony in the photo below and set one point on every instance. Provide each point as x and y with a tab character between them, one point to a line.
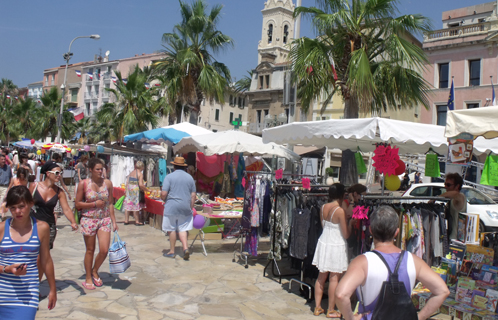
455	32
96	78
105	95
88	95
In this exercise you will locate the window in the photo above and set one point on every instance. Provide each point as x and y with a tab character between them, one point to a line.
240	102
46	81
441	114
109	69
267	111
240	117
474	72
258	116
261	82
472	105
270	33
420	191
287	114
217	115
87	109
231	117
444	72
286	34
230	100
53	80
200	119
74	95
267	78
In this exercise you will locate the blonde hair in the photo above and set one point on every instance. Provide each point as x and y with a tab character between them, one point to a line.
139	165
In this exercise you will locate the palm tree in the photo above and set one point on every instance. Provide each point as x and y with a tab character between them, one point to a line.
135	109
7	86
192	73
22	112
84	127
376	66
244	84
47	114
7	121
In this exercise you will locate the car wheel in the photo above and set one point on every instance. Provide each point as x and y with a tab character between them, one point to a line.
482	228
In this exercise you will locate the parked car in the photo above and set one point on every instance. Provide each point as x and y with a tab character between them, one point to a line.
477	202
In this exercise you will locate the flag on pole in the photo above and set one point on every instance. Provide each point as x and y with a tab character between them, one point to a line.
451	98
8	96
147	86
16	97
90	75
79	113
494	96
78	73
114	79
125	81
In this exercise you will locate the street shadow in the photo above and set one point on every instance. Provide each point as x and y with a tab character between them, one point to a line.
60	285
110	280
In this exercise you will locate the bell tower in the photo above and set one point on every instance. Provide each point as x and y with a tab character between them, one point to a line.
277	31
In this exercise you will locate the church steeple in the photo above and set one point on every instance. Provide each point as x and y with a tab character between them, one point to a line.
278	29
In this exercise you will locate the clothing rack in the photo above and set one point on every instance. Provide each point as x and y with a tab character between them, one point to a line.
273	262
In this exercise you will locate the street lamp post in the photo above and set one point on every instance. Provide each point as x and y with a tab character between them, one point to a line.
67	56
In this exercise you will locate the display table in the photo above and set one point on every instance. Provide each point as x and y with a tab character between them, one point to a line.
454	308
152	206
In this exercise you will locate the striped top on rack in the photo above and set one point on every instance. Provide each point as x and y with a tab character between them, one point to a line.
19	291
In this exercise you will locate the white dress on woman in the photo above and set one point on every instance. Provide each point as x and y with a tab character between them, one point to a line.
331	250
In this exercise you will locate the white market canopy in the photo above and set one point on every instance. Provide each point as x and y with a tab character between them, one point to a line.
232	141
478	122
344	134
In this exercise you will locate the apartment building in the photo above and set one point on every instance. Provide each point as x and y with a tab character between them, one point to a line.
219	117
463	51
35	90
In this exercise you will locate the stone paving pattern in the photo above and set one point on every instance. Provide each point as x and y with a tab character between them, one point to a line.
155	287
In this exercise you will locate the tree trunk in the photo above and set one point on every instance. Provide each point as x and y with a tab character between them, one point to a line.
349	173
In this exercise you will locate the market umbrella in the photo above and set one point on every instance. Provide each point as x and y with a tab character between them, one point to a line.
26	144
478	122
158	135
232	141
56	147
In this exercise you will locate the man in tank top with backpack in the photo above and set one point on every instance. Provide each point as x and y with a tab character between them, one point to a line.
383	279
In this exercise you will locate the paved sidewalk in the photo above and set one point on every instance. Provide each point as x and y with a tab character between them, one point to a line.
156	287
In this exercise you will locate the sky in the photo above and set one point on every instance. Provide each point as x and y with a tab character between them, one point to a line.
34	34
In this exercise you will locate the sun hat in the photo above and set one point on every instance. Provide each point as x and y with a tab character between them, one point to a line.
179	161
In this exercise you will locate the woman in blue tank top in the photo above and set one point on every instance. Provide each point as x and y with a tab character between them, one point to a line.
22	239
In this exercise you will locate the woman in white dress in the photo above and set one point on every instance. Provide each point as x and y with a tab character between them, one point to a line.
331	257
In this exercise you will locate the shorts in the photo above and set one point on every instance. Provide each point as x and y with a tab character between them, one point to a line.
89	226
53	234
178	223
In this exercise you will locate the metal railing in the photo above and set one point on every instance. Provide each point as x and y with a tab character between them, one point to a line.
457	31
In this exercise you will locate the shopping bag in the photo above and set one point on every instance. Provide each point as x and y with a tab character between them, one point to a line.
360	164
432	166
77	215
119	261
119	203
489	175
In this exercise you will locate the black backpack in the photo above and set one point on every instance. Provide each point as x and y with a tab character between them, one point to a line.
393	302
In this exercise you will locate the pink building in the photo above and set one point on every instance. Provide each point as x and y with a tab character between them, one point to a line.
464	51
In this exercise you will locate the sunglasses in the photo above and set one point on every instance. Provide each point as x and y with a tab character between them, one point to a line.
57	173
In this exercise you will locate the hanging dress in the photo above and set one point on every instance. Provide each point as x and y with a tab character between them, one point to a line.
132	198
331	251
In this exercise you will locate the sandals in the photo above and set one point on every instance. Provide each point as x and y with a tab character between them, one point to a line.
318	311
139	224
169	255
333	314
126	223
88	286
186	255
97	282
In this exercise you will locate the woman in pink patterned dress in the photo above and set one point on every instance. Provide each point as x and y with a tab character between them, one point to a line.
97	220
